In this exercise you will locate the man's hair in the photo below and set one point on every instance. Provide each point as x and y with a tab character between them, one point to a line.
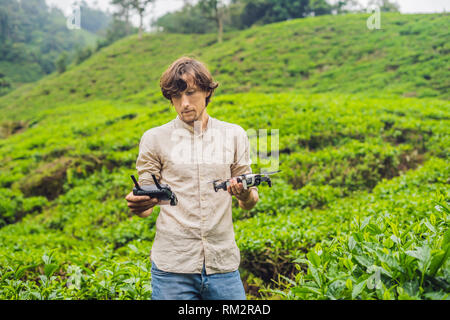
171	81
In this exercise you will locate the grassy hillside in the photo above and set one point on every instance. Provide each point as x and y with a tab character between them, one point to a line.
409	56
359	211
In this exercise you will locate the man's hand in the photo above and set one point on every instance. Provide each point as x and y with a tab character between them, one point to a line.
141	205
247	198
237	189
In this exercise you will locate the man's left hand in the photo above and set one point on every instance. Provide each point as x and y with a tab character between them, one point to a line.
237	189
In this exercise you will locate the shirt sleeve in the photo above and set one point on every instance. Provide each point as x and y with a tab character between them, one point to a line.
242	160
148	162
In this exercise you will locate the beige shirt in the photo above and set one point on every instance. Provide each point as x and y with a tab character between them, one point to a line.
199	228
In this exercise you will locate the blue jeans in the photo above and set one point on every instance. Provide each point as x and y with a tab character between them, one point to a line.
195	286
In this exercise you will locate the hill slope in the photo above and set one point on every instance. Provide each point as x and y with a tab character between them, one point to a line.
408	57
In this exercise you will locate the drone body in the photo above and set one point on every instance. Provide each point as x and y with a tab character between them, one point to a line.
248	180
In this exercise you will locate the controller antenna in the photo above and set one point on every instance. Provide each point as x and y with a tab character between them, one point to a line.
136	184
156	181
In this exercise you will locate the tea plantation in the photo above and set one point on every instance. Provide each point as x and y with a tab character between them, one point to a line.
360	209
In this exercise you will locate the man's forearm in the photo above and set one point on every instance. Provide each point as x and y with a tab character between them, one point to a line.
251	201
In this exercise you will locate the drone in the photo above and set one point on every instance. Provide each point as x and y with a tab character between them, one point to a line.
248	180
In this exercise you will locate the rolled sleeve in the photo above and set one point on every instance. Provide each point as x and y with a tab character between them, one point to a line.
148	161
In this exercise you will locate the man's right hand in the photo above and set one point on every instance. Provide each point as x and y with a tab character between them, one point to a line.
141	205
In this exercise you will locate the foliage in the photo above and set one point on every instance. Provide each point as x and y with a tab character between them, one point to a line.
238	14
359	210
62	62
187	20
408	57
116	30
87	163
32	36
385	5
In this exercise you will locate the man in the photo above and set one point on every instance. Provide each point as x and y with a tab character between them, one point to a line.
194	253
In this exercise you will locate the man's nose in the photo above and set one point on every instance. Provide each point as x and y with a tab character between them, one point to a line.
184	101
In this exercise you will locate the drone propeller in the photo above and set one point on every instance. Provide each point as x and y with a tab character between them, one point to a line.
268	173
249	174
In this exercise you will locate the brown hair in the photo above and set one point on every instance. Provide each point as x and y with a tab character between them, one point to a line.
172	82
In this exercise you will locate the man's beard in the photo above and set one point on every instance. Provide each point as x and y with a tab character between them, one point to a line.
195	117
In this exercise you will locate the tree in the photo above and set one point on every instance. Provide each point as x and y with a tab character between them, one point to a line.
254	11
5	84
117	29
61	63
345	6
214	10
32	36
319	7
189	19
233	19
270	11
385	5
92	20
4	25
124	11
140	6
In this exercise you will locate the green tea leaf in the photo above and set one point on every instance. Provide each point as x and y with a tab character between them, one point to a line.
429	226
315	274
394	229
306	289
373	229
20	271
438	259
423	254
433	219
395	239
314	258
49	269
363	261
349	284
447	237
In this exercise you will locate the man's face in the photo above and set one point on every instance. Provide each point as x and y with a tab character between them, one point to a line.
190	104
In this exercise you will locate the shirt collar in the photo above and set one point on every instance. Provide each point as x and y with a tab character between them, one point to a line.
181	124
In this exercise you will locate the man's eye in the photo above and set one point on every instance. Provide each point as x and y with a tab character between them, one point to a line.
191	92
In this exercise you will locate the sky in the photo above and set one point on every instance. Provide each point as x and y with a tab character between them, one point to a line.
163	6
